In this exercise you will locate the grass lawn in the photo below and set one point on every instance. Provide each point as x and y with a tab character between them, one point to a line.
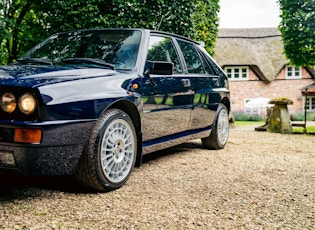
310	129
244	123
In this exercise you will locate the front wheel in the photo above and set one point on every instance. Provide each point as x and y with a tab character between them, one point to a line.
220	132
109	158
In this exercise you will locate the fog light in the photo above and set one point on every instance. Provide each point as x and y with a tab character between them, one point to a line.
7	158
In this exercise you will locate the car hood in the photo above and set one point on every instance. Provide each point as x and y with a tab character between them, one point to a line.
36	76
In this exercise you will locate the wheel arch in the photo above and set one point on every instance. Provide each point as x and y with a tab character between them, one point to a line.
225	101
132	111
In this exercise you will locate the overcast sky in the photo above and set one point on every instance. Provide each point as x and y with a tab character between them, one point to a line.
249	13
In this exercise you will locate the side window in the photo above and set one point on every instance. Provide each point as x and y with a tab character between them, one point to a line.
208	69
192	58
162	49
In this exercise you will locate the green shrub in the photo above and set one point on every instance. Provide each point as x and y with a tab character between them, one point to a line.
241	116
299	116
310	116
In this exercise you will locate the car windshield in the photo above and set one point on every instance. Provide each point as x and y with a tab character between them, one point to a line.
109	48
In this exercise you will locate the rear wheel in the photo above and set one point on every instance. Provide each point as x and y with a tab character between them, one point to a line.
220	132
109	158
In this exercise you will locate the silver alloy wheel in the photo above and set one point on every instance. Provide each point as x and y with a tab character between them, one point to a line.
223	127
117	150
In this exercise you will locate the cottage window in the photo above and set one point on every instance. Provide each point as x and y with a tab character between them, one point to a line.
237	72
293	72
310	103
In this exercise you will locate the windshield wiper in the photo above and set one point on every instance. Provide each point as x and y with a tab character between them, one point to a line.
35	61
87	61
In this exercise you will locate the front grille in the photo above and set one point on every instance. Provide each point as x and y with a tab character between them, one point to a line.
6	134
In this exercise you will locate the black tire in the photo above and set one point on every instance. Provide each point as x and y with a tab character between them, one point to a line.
110	155
220	132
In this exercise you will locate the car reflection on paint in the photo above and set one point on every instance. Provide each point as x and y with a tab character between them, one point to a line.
93	102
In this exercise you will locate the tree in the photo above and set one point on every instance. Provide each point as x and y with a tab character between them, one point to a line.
206	22
298	31
12	15
20	28
23	23
197	19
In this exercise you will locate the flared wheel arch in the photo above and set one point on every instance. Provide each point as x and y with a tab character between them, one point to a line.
85	172
132	111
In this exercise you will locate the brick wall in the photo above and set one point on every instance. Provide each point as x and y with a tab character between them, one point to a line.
280	87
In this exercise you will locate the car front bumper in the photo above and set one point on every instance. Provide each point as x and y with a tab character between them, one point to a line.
58	153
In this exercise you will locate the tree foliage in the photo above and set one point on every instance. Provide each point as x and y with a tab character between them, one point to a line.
12	23
206	22
298	31
23	23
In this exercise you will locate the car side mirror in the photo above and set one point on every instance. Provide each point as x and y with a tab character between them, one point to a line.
159	67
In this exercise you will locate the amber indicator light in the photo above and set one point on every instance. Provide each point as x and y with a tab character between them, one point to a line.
33	136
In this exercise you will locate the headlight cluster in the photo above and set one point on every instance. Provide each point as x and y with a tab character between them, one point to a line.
26	103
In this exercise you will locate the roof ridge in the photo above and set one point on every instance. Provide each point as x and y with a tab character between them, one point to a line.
252	37
249	32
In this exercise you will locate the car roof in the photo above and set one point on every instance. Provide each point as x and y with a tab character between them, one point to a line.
171	34
147	31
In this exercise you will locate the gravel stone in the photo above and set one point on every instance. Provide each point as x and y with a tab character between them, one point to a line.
259	181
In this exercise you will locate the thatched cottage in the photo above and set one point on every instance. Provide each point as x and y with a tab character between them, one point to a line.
256	66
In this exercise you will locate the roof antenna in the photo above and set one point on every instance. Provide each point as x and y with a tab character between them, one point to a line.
158	28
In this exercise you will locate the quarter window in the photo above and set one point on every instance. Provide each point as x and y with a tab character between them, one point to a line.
237	73
208	69
293	72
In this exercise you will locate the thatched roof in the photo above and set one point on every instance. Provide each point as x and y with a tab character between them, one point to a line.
261	49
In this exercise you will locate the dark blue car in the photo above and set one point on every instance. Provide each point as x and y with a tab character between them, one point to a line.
93	102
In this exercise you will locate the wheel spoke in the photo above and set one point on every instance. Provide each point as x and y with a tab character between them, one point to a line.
117	151
223	127
109	165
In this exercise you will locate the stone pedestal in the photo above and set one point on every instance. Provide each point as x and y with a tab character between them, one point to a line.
279	121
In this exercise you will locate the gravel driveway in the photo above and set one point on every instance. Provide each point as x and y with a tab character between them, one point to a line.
259	181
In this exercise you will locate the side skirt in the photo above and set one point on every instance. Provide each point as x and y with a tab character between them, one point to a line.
172	140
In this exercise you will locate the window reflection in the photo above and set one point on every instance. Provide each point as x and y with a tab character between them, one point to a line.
162	49
118	47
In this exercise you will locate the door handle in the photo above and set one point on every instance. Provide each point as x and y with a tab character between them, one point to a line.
186	82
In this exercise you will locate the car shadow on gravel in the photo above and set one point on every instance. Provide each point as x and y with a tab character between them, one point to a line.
171	151
17	186
22	187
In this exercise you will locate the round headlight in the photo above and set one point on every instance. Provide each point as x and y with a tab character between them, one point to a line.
27	104
8	103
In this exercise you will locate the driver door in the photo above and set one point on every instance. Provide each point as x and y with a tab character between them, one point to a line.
167	98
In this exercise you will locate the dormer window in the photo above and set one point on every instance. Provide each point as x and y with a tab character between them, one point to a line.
237	72
293	72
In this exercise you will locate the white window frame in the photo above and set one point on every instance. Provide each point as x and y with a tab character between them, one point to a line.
293	72
309	103
232	71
